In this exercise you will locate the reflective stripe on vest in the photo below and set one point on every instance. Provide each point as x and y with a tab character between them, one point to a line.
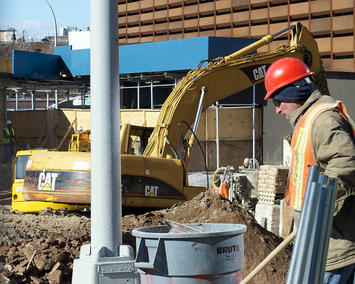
302	152
7	140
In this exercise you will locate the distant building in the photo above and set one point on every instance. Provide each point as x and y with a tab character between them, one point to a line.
9	35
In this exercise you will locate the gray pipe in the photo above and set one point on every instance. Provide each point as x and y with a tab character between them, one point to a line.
312	176
332	184
305	234
317	243
105	144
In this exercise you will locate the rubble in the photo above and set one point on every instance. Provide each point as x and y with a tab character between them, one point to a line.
40	248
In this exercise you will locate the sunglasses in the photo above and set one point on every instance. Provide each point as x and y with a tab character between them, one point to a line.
276	102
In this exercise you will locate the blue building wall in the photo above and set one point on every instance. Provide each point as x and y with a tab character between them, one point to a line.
173	55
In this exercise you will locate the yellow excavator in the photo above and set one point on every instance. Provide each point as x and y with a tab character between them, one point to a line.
158	178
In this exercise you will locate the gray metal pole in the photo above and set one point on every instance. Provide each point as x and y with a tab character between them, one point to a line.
54	23
16	105
33	100
105	260
217	133
105	140
138	95
47	97
56	98
151	95
253	127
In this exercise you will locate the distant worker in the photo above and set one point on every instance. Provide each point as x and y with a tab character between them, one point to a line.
9	140
246	164
323	135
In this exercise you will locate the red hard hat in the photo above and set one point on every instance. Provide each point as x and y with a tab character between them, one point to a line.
283	72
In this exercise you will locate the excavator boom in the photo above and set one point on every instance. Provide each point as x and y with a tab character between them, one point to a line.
155	179
222	78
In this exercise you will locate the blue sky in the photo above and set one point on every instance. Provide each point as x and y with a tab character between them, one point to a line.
34	17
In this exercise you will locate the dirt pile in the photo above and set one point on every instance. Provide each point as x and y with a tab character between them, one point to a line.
40	248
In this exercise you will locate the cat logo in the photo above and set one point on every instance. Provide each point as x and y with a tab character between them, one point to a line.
259	72
46	181
151	191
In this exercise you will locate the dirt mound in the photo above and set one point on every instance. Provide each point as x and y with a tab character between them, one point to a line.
40	248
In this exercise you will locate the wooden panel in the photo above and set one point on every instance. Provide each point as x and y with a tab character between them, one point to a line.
241	17
207	33
234	124
320	26
224	32
160	3
146	5
176	36
175	13
5	66
343	45
147	18
161	15
161	27
147	39
191	11
259	31
323	45
223	20
223	5
193	23
241	32
320	7
133	40
258	3
133	30
342	6
344	65
299	10
259	15
133	7
161	37
279	13
206	22
139	117
175	26
240	4
206	8
343	24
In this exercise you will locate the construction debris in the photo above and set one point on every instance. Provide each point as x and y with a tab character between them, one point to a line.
54	239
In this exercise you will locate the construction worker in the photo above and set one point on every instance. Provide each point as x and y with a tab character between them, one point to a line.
9	140
323	135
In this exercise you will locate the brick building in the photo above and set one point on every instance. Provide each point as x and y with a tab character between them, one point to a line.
330	21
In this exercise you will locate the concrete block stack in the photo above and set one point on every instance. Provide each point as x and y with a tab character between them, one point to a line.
271	189
272	183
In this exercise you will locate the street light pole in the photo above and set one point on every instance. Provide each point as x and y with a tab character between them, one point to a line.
54	22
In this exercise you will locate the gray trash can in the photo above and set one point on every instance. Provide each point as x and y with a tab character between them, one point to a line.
213	255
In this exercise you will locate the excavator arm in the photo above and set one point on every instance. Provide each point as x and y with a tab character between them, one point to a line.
222	78
156	179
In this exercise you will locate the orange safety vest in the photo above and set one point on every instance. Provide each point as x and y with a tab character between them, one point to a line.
302	152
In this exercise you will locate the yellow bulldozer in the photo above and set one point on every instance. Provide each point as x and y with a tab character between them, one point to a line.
156	175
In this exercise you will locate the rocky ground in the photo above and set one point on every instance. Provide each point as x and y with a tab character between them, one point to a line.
40	248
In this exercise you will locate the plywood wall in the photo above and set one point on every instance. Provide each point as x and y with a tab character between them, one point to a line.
47	129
